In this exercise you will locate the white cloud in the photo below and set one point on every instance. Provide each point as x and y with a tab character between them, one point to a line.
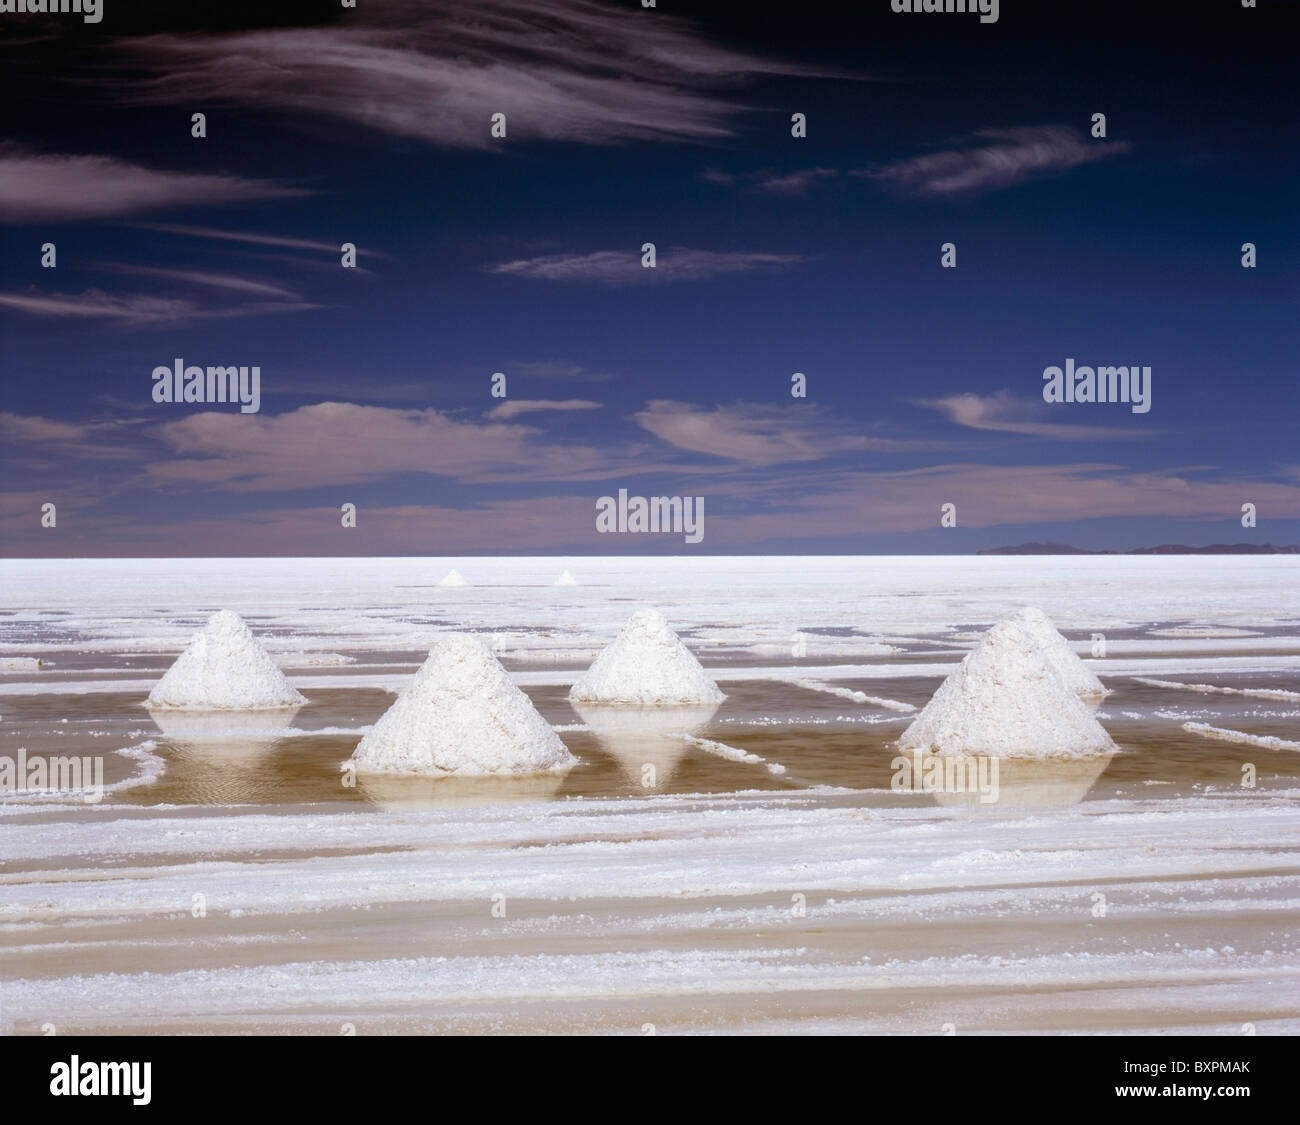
1004	413
623	267
996	158
137	309
228	282
561	70
778	183
511	408
44	187
759	434
343	442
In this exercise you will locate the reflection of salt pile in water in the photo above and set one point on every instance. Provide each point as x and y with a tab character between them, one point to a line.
1058	654
646	664
453	578
637	736
566	579
1007	700
222	738
1034	783
407	792
224	668
221	757
462	715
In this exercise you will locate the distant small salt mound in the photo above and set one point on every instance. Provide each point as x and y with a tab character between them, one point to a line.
1007	700
462	715
1057	652
646	664
224	668
453	578
566	579
29	663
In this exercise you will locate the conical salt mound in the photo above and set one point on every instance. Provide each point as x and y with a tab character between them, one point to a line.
461	715
224	668
1006	700
453	578
1056	650
646	664
566	579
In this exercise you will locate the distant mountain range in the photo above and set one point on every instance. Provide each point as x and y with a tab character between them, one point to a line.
1163	549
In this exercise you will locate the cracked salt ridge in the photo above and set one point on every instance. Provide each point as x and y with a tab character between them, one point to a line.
1221	734
850	694
673	843
796	720
542	677
732	753
151	768
1260	693
399	983
1141	900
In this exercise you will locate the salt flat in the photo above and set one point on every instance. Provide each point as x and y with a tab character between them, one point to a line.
236	887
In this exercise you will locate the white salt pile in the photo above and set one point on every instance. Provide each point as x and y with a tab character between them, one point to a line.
1007	700
646	664
566	579
225	667
1058	654
453	578
461	715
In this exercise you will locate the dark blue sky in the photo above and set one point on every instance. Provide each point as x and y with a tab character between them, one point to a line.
776	255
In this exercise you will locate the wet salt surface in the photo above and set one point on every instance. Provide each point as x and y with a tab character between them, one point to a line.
673	903
807	731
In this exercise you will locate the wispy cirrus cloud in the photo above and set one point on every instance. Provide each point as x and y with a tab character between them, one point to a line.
342	442
778	183
813	507
95	304
623	267
760	434
227	282
1003	412
995	158
39	187
795	183
257	238
138	309
512	408
556	369
96	440
561	70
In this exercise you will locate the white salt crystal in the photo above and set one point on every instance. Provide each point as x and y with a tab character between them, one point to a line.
1057	652
566	579
453	578
463	715
646	664
1006	699
224	668
32	663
